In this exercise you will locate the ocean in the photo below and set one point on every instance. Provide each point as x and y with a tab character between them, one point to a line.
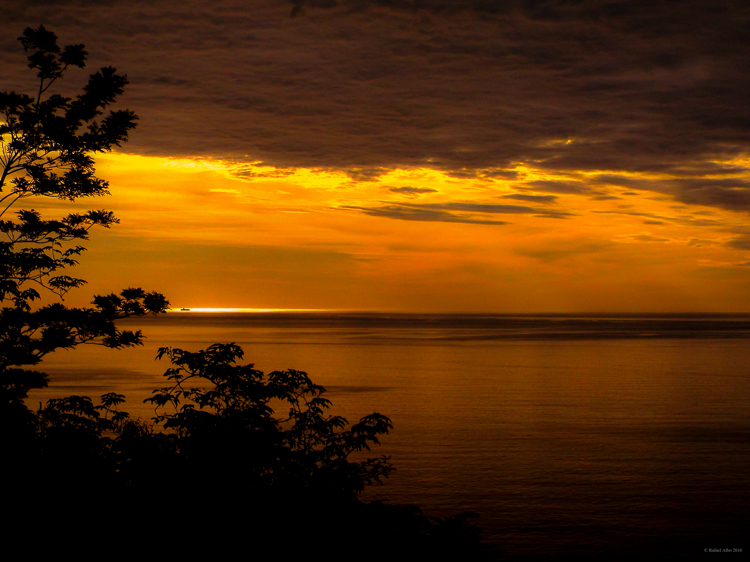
591	435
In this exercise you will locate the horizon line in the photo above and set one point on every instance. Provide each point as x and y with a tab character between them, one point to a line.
375	311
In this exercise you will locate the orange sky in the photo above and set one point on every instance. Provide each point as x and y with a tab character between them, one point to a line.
213	234
432	156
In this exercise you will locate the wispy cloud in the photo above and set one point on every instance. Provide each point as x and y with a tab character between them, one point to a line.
531	198
409	190
420	213
455	211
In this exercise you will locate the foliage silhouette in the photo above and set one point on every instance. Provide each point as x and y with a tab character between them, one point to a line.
307	452
47	147
48	143
216	445
223	440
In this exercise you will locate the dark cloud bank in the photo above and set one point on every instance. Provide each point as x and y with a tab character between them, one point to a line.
623	86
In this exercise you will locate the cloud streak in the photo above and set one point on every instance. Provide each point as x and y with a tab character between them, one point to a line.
410	190
457	212
420	213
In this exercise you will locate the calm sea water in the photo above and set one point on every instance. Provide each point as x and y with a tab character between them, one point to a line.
594	435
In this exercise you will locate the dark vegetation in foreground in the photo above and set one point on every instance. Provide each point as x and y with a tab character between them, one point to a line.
217	468
218	457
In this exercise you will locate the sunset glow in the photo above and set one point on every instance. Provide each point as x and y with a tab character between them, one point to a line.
416	239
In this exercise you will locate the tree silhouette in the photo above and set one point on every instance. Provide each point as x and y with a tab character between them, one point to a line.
48	143
305	454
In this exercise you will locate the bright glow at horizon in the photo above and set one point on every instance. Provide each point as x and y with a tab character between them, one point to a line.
224	310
